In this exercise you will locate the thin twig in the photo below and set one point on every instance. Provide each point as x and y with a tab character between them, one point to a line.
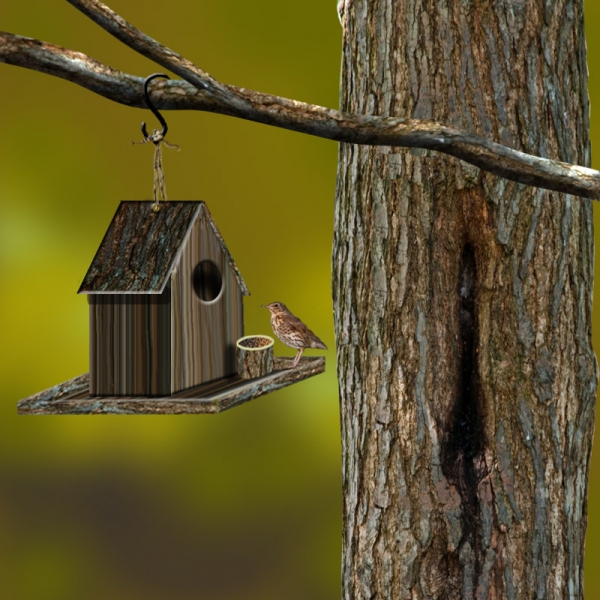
207	94
148	47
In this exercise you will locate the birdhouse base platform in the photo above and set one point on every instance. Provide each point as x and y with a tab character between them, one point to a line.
72	397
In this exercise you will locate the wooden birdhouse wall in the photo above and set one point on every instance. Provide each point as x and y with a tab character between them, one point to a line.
165	302
130	344
207	310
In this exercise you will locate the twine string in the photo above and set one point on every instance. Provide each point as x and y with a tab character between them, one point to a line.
159	188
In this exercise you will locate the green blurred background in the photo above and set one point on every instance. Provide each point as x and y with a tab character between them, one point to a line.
240	506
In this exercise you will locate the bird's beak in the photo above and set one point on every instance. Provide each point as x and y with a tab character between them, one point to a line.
263	306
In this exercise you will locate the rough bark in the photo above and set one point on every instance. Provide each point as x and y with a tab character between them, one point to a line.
199	91
254	356
463	308
462	301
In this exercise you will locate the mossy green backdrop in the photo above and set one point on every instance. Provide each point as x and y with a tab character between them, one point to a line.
240	506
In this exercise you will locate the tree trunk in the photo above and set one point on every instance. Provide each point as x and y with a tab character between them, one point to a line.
463	307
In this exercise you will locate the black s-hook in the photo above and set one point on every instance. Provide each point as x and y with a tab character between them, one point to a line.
158	139
154	111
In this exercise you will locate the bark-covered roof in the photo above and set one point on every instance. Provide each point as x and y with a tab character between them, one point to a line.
141	248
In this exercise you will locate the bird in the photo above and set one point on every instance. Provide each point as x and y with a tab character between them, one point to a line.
291	330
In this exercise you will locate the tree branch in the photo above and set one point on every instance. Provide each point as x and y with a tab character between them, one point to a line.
98	77
203	92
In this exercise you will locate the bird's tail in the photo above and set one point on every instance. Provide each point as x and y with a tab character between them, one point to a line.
318	344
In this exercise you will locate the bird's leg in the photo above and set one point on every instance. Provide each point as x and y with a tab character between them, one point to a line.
300	351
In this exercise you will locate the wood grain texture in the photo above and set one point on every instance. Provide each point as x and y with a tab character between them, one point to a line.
72	397
130	344
463	308
204	333
147	343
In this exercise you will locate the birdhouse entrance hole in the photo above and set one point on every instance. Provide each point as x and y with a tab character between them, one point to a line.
208	281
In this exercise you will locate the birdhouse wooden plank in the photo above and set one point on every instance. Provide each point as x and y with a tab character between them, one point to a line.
130	344
73	398
166	302
140	248
206	304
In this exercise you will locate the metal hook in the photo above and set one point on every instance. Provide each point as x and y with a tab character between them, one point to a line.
152	108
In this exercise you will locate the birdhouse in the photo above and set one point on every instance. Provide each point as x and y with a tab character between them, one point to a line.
167	323
165	300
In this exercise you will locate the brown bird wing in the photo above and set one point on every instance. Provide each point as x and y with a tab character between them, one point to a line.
309	338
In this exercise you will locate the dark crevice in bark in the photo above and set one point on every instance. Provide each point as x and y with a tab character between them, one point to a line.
463	447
